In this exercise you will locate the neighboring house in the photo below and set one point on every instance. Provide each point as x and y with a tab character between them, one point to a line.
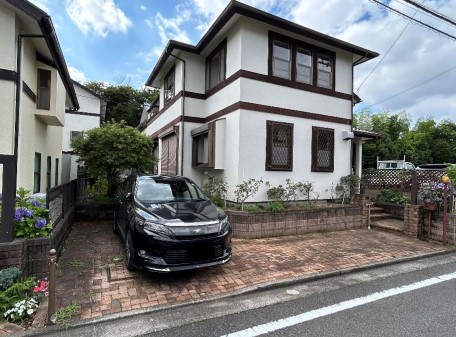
257	97
35	91
92	111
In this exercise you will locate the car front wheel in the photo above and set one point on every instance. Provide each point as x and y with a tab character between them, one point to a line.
129	252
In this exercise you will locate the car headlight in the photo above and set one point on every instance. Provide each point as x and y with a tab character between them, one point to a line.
155	227
224	225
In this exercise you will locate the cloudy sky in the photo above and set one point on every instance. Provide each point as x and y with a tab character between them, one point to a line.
119	41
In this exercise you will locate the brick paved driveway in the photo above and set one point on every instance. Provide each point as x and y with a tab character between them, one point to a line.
91	269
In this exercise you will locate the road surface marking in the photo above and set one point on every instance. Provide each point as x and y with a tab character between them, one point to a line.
310	315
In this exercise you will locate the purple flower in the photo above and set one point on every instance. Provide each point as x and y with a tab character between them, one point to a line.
40	223
19	214
37	203
28	213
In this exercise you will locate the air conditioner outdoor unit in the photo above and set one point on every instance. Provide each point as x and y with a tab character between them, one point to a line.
347	135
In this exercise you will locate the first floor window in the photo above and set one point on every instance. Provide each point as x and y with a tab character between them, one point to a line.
37	173
279	146
48	172
322	149
203	146
168	159
56	175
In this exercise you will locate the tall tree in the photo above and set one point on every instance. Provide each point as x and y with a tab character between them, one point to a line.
114	147
123	101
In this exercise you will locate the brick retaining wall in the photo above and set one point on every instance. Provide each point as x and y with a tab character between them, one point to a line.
31	255
268	224
396	210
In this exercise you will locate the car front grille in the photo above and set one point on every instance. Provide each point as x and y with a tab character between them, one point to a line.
195	252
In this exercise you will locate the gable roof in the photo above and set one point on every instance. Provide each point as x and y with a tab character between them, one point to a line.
235	7
44	22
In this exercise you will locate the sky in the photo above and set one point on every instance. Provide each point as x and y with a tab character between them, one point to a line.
120	41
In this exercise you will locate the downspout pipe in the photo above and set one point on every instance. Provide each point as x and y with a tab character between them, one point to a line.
18	96
183	112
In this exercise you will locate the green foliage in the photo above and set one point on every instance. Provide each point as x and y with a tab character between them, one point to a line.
113	148
276	193
426	143
215	188
30	216
123	102
247	189
253	208
451	173
307	188
391	195
347	187
99	190
8	276
19	291
64	315
276	206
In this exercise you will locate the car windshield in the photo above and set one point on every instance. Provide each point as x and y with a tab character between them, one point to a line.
167	190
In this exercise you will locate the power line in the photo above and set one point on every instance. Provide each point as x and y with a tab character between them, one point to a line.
414	20
415	86
383	57
432	12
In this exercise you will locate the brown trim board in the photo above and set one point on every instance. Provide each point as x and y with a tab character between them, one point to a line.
8	75
71	112
28	92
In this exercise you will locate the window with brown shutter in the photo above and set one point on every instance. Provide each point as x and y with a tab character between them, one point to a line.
322	149
279	146
168	158
203	146
44	89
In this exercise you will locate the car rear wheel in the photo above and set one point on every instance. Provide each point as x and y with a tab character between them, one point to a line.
129	252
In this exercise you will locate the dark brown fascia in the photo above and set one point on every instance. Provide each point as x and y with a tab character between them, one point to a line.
47	28
235	7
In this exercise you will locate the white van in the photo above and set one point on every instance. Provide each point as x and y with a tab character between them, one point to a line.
395	165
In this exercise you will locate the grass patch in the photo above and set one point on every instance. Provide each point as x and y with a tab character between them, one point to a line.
64	315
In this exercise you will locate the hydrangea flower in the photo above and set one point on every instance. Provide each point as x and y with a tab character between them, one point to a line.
40	223
29	213
19	214
37	203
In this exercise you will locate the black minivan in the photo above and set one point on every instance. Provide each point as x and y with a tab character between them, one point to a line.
168	224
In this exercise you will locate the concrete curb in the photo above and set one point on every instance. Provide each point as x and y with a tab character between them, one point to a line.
248	290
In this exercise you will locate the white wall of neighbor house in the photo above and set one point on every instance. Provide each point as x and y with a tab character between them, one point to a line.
77	122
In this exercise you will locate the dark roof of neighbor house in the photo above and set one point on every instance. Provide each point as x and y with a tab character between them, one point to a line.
366	134
47	28
235	7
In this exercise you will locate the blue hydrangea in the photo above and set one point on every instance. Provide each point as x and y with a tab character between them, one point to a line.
37	203
40	223
19	214
29	213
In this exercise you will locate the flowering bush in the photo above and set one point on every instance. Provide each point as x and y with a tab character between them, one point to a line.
21	309
20	300
30	216
433	193
42	288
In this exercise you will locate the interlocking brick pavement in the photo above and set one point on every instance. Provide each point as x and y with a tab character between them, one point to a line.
91	268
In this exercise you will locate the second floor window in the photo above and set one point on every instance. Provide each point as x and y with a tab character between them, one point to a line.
44	89
301	62
169	85
216	66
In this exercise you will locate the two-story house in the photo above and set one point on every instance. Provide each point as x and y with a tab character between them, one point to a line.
92	111
257	97
35	90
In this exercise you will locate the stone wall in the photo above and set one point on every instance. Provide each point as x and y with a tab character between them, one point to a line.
437	227
252	225
413	220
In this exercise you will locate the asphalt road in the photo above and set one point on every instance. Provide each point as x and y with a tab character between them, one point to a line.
408	299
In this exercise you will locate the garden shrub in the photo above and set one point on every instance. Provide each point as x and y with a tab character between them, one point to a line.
276	206
246	189
8	276
253	208
30	216
215	188
391	195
